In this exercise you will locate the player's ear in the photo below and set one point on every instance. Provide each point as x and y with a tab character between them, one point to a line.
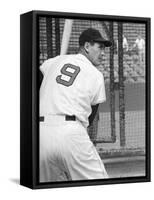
86	46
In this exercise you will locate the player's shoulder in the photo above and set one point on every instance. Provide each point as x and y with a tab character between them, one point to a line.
57	59
88	66
68	58
95	71
47	64
84	62
49	61
99	75
62	59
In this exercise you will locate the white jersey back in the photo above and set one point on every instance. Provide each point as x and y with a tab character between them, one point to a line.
71	84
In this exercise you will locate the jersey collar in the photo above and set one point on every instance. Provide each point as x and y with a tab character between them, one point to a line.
84	58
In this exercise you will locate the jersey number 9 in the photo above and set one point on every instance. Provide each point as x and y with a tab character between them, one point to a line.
71	72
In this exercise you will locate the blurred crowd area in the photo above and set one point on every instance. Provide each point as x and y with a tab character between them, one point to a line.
134	69
134	37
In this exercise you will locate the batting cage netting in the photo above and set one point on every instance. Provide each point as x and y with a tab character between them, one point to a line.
119	126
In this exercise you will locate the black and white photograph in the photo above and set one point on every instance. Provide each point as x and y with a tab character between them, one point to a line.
90	99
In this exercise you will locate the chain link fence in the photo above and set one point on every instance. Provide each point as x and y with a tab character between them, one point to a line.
119	126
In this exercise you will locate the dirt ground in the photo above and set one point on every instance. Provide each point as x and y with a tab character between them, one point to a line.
125	167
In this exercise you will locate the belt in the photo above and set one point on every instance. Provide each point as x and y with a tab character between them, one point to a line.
67	118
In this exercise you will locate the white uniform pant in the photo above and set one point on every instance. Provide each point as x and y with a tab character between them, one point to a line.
66	152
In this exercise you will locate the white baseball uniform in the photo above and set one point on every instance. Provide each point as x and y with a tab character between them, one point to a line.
71	85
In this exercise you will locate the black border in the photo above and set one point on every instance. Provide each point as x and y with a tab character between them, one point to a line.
26	146
29	99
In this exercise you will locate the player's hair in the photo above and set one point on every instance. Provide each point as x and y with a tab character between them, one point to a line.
81	44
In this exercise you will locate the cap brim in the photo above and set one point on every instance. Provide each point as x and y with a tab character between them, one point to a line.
107	43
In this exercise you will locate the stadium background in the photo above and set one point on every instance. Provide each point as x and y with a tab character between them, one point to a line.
118	131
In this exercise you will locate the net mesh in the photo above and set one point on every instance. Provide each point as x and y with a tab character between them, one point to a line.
133	75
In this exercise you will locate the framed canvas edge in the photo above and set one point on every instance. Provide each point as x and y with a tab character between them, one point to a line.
34	98
90	15
26	99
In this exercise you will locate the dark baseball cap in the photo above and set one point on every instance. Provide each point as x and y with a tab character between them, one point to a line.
93	35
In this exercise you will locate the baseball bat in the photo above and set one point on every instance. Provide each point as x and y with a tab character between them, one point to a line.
66	36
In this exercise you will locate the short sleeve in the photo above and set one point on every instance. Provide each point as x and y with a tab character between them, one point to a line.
99	94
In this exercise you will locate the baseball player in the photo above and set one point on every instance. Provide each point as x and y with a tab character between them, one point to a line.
70	93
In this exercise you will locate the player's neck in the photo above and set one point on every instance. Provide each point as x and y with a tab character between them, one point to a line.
84	53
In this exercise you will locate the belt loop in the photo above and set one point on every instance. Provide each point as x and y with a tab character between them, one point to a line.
41	118
70	118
